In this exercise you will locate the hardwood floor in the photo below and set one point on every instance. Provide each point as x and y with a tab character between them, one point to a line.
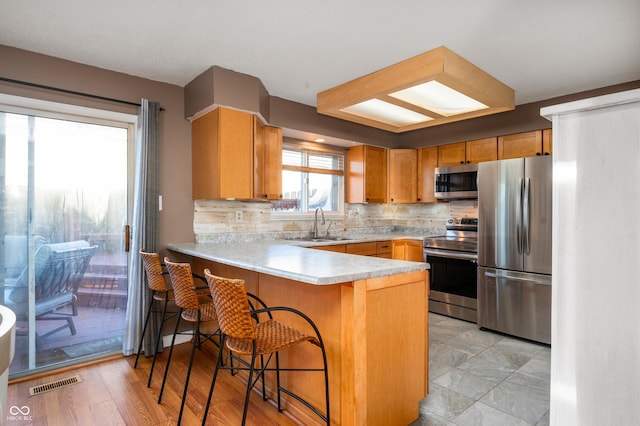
114	393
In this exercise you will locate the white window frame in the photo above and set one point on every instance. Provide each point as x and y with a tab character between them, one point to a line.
309	147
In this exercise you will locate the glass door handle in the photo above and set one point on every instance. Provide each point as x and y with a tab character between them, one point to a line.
127	238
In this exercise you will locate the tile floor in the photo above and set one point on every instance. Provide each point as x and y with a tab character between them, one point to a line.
483	378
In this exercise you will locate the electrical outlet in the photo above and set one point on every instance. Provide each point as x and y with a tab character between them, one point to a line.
238	215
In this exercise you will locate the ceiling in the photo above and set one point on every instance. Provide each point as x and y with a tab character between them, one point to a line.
297	48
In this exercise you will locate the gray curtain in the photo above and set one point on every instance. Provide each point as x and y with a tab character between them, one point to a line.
143	227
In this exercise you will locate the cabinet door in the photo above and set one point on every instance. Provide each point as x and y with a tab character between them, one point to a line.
375	174
399	249
363	249
222	155
338	248
267	145
366	174
547	142
205	157
481	150
453	154
520	145
355	174
414	251
403	164
427	163
236	154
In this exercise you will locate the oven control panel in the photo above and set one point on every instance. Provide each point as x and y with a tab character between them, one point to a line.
462	221
470	223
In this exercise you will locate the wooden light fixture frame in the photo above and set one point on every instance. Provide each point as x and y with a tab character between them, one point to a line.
440	64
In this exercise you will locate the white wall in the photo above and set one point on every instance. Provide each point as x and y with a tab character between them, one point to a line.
595	345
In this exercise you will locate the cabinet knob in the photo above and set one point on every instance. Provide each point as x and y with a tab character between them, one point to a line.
392	200
468	162
546	153
419	199
538	154
462	162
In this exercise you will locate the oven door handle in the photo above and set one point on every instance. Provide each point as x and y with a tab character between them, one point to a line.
473	257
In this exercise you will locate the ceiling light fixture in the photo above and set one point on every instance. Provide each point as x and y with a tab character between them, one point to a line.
432	88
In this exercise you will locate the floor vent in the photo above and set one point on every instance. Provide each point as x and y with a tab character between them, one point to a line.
37	390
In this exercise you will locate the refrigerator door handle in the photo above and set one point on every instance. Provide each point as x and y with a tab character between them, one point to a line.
519	216
526	216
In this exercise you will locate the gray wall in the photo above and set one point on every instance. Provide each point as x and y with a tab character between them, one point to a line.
176	219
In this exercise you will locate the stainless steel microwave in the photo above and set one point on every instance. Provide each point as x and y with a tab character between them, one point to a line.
456	182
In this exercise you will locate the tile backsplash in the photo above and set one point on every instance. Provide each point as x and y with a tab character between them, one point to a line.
232	220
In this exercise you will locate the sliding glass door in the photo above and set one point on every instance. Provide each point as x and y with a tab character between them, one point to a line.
63	212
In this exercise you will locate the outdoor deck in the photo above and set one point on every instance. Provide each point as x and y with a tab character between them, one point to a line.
102	302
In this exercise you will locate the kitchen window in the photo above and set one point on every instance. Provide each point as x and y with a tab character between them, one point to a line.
312	177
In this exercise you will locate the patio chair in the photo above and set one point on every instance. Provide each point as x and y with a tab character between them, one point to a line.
59	269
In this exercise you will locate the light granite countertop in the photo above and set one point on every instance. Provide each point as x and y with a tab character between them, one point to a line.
293	259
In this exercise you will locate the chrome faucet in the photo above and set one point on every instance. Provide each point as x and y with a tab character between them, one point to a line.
326	235
314	232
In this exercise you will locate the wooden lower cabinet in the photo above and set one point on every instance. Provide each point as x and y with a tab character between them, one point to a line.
376	335
374	248
338	248
411	250
384	249
363	249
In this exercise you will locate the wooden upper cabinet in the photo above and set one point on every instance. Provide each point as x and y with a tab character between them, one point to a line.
547	142
519	145
366	174
222	155
453	154
403	165
481	150
471	152
427	163
267	146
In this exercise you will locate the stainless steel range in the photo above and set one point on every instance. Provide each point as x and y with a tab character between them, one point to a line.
454	260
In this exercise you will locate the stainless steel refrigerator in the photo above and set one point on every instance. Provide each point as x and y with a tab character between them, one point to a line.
514	247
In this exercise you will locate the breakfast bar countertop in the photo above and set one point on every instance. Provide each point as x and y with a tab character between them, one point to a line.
286	259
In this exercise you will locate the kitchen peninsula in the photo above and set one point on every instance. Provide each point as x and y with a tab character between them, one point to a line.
371	312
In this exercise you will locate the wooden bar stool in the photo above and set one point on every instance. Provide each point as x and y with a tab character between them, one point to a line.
238	313
195	308
160	293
